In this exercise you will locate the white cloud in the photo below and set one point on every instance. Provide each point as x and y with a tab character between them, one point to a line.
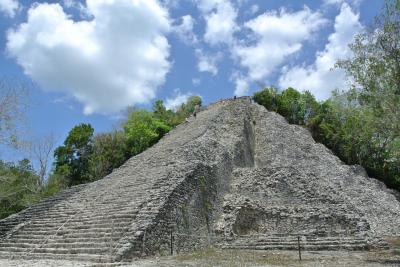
170	3
70	3
242	86
185	30
340	2
83	11
220	17
9	7
107	63
196	81
333	2
177	100
254	9
278	35
320	78
207	63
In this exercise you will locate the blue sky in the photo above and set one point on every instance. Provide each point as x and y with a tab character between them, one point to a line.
89	60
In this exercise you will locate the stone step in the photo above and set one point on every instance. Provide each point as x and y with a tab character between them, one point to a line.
117	202
55	212
77	226
60	234
319	242
56	215
114	201
74	228
127	215
61	239
295	238
83	250
306	240
295	247
291	242
78	257
56	244
87	221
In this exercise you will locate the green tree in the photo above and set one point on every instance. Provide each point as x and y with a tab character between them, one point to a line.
186	109
159	109
308	108
72	159
375	74
168	116
289	106
109	152
191	103
268	98
143	130
296	107
20	187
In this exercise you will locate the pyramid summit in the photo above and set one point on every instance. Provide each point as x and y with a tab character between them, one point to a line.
236	176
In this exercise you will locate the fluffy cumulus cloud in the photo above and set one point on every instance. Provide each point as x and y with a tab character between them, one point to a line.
206	62
320	77
76	4
277	35
220	17
254	9
9	7
116	59
333	2
177	100
340	2
241	86
185	30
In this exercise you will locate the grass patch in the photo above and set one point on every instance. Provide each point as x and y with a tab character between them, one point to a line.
394	242
217	257
212	256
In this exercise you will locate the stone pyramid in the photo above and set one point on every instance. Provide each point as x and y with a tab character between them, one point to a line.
237	176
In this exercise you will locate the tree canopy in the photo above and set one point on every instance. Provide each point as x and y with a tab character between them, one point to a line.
72	159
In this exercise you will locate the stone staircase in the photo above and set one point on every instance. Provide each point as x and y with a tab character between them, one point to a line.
291	243
74	227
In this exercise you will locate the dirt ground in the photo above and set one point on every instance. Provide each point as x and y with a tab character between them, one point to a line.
214	257
245	258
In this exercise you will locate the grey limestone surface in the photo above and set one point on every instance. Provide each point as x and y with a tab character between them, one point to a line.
236	176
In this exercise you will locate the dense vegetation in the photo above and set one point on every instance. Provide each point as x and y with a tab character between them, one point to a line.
85	156
361	124
20	187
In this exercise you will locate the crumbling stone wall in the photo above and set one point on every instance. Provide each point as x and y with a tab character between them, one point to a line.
196	201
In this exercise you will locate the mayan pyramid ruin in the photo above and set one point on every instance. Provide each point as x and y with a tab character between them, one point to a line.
237	176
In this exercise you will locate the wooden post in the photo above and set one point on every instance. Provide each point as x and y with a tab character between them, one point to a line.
298	244
172	243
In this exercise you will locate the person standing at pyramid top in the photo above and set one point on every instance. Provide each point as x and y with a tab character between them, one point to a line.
196	110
